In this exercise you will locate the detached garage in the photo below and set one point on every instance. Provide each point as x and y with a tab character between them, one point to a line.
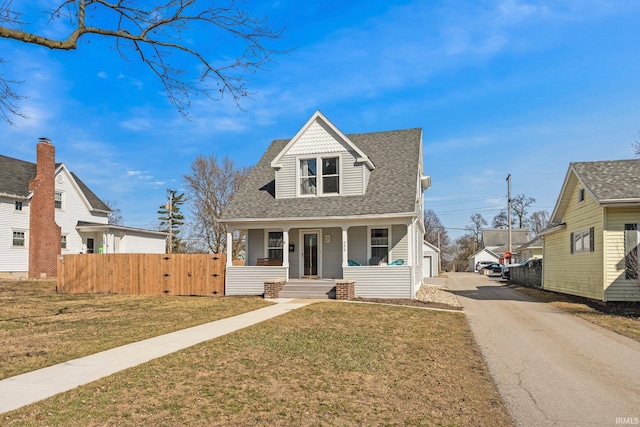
431	262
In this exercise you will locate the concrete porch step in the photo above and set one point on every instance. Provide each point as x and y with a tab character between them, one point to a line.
309	291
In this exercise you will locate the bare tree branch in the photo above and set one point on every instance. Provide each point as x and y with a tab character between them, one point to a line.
155	31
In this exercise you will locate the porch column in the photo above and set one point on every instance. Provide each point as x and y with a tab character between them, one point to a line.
285	251
345	246
411	240
229	247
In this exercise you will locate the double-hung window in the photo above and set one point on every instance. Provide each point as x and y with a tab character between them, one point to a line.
379	245
18	205
314	181
19	238
274	244
631	251
58	200
330	176
582	241
63	242
308	177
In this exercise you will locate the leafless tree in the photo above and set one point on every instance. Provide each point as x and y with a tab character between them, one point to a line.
474	230
152	31
501	220
519	205
116	216
434	230
211	185
538	221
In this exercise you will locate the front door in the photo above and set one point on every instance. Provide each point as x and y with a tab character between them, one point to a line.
310	254
90	245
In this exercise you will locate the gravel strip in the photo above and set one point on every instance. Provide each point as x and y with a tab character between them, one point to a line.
437	293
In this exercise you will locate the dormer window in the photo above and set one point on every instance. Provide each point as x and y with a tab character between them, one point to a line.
328	182
308	177
330	175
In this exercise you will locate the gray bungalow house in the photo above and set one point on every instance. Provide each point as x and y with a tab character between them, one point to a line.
325	205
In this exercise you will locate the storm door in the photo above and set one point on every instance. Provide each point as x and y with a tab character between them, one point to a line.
310	254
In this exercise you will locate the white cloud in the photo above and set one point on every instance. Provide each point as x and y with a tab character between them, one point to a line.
137	124
133	173
102	75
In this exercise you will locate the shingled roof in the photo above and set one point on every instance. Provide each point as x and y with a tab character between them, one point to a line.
15	175
611	180
391	190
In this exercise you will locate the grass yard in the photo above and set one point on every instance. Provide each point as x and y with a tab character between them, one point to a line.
624	320
40	328
328	363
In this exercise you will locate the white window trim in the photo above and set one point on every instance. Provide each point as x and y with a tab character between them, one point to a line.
266	241
319	184
389	242
66	236
61	208
583	234
582	195
22	206
26	238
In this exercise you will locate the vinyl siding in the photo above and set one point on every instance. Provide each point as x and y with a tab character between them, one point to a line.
132	243
617	288
381	281
351	175
400	243
73	210
366	174
578	273
13	259
255	246
332	254
246	280
286	182
358	244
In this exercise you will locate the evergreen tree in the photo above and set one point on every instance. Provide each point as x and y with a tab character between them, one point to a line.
171	220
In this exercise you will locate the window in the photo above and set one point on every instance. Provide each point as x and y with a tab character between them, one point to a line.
379	245
63	242
18	206
58	200
274	244
324	181
631	251
581	195
330	175
582	241
308	176
18	238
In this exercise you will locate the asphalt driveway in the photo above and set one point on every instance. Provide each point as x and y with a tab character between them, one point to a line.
551	368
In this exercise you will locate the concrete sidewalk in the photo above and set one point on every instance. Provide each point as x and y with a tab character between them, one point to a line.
31	387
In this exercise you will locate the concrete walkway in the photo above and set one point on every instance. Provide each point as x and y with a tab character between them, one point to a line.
31	387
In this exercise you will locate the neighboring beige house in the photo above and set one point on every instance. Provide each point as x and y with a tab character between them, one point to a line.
327	205
532	249
591	248
495	242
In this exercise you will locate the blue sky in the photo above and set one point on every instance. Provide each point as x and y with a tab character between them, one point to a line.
498	87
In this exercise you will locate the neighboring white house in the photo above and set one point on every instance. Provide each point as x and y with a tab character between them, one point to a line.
333	206
480	256
431	260
79	219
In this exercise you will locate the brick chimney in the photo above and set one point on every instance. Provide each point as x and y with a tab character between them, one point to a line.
44	233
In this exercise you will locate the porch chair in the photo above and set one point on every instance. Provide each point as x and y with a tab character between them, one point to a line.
353	263
397	262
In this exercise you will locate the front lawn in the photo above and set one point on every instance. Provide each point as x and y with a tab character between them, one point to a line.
330	363
40	328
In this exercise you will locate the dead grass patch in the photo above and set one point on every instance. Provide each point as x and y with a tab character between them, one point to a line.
40	328
324	364
623	318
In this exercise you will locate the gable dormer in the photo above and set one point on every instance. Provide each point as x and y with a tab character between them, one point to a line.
321	161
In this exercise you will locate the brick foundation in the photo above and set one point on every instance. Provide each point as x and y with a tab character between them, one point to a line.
44	233
345	289
272	287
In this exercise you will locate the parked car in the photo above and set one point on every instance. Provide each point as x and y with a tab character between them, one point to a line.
494	268
481	264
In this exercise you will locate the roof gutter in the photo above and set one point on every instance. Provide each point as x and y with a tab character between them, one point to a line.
320	218
620	202
553	229
14	196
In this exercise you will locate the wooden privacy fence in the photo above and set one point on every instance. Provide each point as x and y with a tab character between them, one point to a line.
142	274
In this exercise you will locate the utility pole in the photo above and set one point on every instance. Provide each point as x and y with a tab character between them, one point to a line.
509	213
170	209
